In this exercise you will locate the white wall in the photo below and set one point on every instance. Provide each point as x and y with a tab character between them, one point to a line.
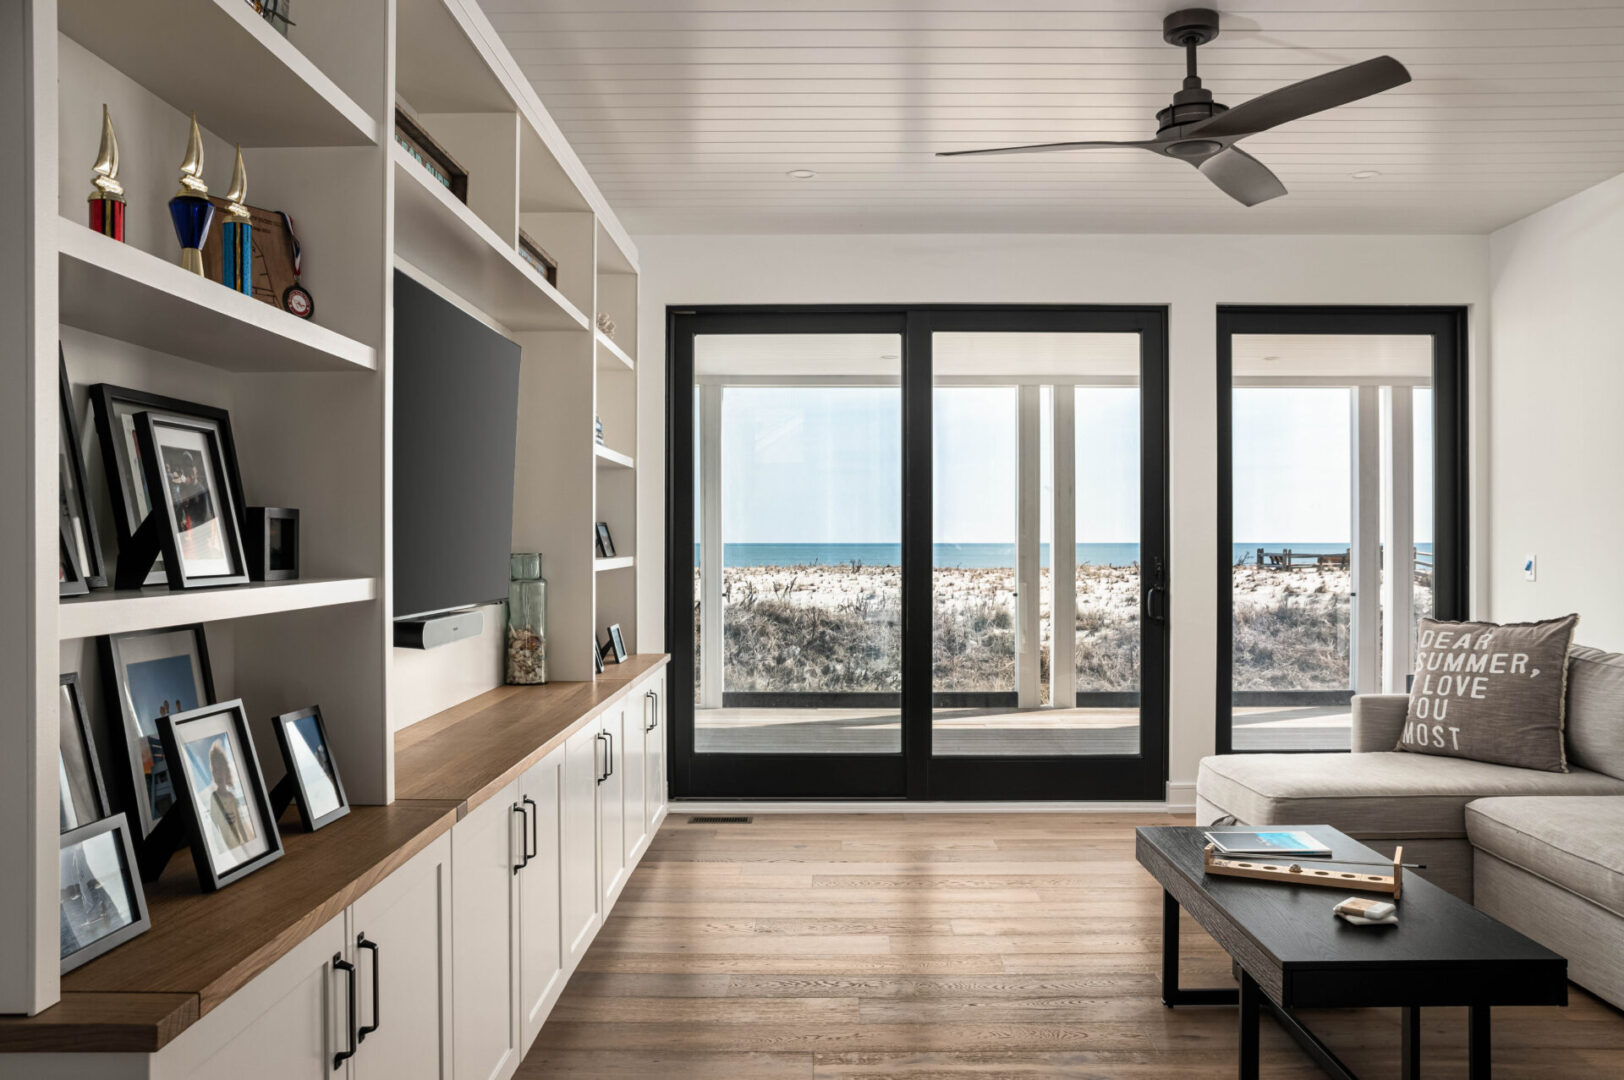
1191	274
1557	413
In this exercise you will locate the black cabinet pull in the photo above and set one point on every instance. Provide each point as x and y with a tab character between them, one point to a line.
605	774
651	697
609	758
361	942
525	859
656	695
531	846
348	969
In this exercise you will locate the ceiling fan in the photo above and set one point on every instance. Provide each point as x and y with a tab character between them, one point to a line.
1203	132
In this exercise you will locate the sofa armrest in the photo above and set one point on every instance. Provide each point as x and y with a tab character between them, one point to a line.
1378	721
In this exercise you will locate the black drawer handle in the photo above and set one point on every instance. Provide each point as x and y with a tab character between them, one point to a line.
653	696
609	758
531	846
348	969
519	809
361	942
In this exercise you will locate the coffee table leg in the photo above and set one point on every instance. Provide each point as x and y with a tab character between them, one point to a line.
1478	1053
1172	994
1248	1031
1411	1042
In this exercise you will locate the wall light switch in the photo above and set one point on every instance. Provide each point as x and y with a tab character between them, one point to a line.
1530	567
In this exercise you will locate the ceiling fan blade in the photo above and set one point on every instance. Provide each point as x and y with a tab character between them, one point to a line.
1043	148
1305	98
1242	177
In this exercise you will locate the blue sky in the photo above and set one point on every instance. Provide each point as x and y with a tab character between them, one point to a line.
823	464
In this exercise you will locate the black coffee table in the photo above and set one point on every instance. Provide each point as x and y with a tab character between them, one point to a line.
1292	953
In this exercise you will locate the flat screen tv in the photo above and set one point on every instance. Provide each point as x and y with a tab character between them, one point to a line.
456	421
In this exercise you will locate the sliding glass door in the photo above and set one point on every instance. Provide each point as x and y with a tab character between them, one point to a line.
919	555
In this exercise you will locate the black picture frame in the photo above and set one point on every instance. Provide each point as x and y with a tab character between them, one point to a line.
82	795
606	544
70	580
145	792
617	643
597	656
242	810
76	872
126	485
77	509
150	429
271	542
291	728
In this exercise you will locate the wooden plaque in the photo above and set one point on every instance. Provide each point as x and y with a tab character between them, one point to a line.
273	253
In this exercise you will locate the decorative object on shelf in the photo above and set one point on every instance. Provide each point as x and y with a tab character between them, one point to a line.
193	522
274	254
70	579
106	193
222	803
271	540
81	795
76	511
1297	874
102	902
617	644
527	621
274	12
606	324
311	782
597	429
237	234
606	544
115	409
190	210
534	254
597	655
151	674
431	155
295	299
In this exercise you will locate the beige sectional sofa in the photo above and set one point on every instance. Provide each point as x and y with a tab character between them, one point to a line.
1540	851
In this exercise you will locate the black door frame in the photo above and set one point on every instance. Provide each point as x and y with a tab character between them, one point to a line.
1451	468
914	773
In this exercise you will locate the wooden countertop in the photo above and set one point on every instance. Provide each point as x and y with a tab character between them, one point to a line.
203	947
461	757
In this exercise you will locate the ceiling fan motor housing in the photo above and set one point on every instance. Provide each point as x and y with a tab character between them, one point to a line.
1189	29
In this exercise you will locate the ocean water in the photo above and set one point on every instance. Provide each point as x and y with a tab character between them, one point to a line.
973	556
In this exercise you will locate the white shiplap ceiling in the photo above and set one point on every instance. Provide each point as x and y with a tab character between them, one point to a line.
689	113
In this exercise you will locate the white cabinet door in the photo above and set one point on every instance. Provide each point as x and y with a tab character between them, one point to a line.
541	944
634	778
484	892
578	839
402	947
612	808
654	794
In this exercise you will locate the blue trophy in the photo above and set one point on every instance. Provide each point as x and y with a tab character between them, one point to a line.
190	209
236	235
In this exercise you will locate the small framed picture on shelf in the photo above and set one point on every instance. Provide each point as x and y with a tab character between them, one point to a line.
312	779
77	511
81	795
617	643
70	580
431	156
272	543
154	674
606	544
222	793
597	656
198	528
534	254
101	898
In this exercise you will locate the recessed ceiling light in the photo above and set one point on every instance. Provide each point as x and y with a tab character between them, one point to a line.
1366	174
800	174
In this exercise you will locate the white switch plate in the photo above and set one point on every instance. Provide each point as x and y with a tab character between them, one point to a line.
1530	567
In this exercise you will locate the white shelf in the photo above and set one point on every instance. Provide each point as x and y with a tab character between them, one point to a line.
619	562
122	292
247	83
611	459
120	610
441	236
610	355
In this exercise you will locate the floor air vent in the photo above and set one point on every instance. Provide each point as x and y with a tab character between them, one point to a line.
719	819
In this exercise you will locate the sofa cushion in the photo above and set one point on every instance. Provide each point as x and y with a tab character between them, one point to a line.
1389	794
1596	710
1574	842
1491	692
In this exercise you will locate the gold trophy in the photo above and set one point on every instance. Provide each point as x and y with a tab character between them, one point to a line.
107	194
190	209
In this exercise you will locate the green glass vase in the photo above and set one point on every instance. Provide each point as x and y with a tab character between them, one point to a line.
527	621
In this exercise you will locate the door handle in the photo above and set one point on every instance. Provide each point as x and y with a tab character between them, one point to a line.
1156	595
361	942
609	758
341	964
654	696
603	775
525	857
531	846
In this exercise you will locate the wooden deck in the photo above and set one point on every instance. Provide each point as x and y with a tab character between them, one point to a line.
940	946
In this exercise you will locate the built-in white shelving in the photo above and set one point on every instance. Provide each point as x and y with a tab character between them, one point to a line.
122	292
612	459
119	611
611	356
221	60
619	562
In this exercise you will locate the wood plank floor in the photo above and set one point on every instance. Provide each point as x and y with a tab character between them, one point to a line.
929	947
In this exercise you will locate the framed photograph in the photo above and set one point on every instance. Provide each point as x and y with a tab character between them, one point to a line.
317	789
115	409
272	543
606	544
76	510
221	793
81	798
534	254
154	674
597	656
617	643
431	155
185	469
101	898
70	581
